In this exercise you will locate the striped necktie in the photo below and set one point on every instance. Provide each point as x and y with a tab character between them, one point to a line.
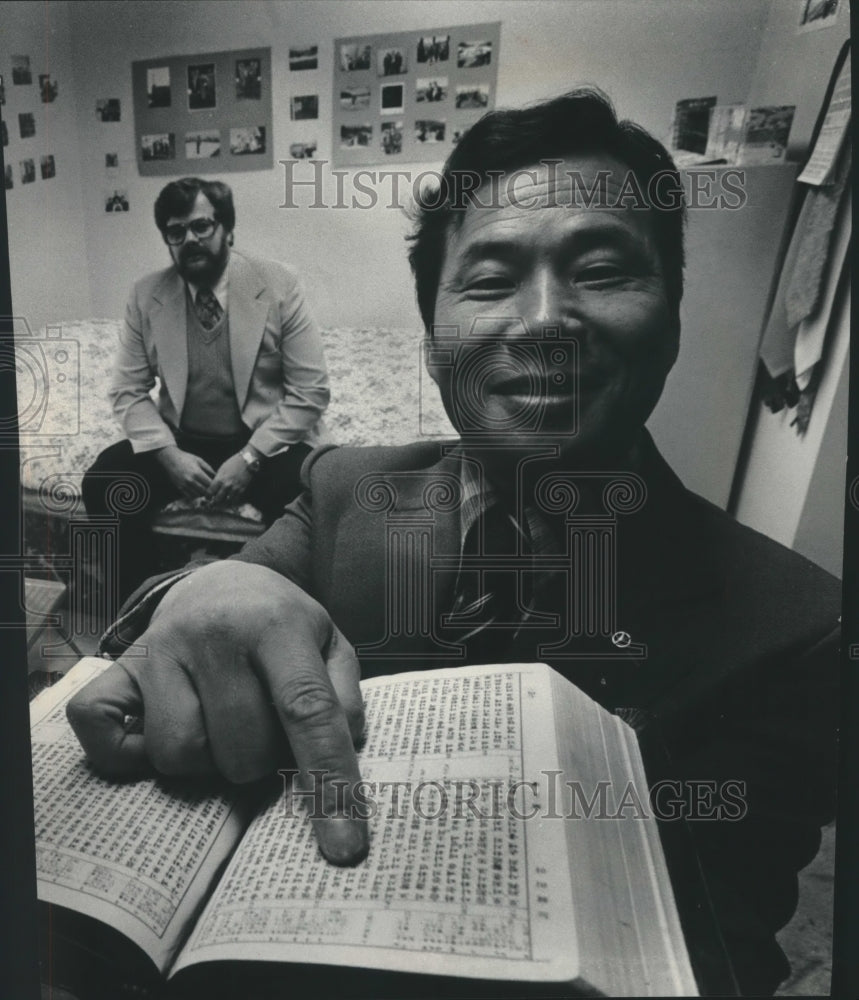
490	600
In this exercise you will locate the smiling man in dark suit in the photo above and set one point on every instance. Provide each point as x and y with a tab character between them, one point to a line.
242	377
551	530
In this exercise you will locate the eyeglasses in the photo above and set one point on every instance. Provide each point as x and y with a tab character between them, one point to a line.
201	228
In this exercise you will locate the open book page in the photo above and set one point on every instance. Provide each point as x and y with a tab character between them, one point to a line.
457	880
137	855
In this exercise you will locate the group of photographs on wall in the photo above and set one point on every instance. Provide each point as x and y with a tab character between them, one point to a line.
204	113
704	131
303	107
410	95
108	110
115	194
30	164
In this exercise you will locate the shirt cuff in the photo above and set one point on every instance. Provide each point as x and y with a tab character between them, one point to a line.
136	613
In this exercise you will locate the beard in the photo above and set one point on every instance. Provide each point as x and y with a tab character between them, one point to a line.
199	265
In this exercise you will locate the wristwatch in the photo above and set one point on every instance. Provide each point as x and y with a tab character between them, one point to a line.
251	460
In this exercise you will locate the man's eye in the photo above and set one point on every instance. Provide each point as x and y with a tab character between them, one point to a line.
492	284
601	273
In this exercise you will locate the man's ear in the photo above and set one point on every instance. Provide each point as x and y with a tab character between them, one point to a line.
230	238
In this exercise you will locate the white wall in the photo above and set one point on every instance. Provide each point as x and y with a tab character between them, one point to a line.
783	494
793	67
354	261
793	487
50	277
817	535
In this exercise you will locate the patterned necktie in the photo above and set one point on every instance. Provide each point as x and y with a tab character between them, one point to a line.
490	602
208	309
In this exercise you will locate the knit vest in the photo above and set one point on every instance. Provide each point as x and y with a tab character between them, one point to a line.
210	406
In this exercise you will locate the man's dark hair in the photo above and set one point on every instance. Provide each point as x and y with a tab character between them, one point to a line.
178	197
581	122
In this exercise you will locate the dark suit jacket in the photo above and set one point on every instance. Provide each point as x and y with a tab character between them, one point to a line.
276	356
738	682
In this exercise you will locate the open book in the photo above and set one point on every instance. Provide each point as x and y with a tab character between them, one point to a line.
508	846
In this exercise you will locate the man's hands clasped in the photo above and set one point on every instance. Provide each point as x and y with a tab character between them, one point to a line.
241	667
230	482
194	477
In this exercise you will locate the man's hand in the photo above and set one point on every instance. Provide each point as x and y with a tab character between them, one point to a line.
239	661
188	473
230	482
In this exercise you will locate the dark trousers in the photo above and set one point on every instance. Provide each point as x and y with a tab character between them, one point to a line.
133	487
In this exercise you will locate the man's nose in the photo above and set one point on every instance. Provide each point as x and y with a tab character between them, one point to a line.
543	301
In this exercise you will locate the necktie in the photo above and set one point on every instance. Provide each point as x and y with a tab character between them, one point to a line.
208	309
489	602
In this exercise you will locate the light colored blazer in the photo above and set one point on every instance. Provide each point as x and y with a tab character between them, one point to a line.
279	372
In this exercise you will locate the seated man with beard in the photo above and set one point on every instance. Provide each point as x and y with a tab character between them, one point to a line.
243	383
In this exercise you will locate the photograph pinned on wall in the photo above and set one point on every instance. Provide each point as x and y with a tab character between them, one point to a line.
767	132
48	167
433	49
469	96
116	201
352	98
111	161
430	130
814	14
48	88
304	107
203	144
28	171
473	54
4	133
690	126
248	80
391	98
27	125
392	138
201	87
431	89
158	86
2	91
303	150
10	183
392	62
355	57
108	109
247	141
352	136
21	73
159	146
727	126
306	58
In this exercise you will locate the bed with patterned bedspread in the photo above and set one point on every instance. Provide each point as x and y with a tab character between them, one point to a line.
379	395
